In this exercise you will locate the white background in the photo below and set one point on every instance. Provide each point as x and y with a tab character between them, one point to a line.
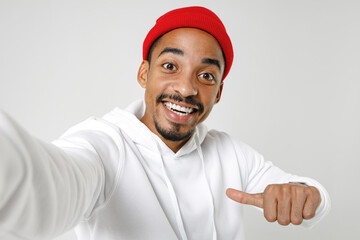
293	92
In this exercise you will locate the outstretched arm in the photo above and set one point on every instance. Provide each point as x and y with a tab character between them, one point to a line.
284	197
44	190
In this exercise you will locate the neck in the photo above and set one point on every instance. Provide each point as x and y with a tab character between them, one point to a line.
173	145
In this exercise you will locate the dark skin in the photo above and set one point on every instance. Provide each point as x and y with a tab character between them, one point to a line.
186	70
285	203
183	63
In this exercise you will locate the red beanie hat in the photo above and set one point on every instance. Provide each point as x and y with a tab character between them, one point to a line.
192	17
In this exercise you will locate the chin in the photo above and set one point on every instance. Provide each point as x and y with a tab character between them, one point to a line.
173	133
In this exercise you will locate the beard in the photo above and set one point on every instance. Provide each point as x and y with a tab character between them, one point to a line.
173	134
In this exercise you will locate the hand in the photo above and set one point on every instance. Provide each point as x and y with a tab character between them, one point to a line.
286	203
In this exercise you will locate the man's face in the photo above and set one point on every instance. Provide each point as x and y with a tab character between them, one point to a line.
182	83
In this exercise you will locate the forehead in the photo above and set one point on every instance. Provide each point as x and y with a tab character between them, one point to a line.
192	42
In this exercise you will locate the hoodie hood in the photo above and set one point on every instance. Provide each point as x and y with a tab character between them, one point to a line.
129	122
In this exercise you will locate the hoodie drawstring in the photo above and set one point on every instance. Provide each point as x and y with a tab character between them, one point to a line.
199	150
173	197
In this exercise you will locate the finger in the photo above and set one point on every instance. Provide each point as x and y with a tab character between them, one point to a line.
284	209
311	203
297	206
270	207
245	198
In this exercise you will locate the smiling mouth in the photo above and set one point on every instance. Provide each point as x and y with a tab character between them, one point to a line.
179	110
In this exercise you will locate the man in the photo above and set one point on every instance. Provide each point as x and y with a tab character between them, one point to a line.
152	171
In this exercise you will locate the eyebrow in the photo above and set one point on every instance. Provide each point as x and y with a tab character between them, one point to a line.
172	50
180	52
211	61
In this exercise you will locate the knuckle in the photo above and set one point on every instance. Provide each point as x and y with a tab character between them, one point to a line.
270	187
286	190
313	191
297	190
284	219
277	189
269	215
308	214
240	198
283	222
270	218
296	220
315	194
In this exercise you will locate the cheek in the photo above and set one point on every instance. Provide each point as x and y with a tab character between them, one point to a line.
154	88
209	97
155	79
157	86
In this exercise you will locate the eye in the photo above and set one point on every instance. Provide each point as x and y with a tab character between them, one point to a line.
208	77
169	66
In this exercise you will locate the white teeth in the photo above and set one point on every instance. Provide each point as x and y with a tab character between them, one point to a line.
182	111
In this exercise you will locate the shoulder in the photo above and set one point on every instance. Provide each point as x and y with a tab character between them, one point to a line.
229	147
101	141
227	141
219	137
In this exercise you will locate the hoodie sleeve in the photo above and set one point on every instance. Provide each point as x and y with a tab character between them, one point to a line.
45	190
260	173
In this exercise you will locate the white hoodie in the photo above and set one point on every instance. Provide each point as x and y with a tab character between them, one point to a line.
115	179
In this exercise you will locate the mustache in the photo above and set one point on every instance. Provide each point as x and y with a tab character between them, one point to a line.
178	98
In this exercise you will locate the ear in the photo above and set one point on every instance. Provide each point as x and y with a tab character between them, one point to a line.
143	73
218	96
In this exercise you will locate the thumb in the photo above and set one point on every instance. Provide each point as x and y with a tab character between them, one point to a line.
256	200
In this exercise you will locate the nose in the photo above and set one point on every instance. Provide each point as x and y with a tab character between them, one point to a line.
186	85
